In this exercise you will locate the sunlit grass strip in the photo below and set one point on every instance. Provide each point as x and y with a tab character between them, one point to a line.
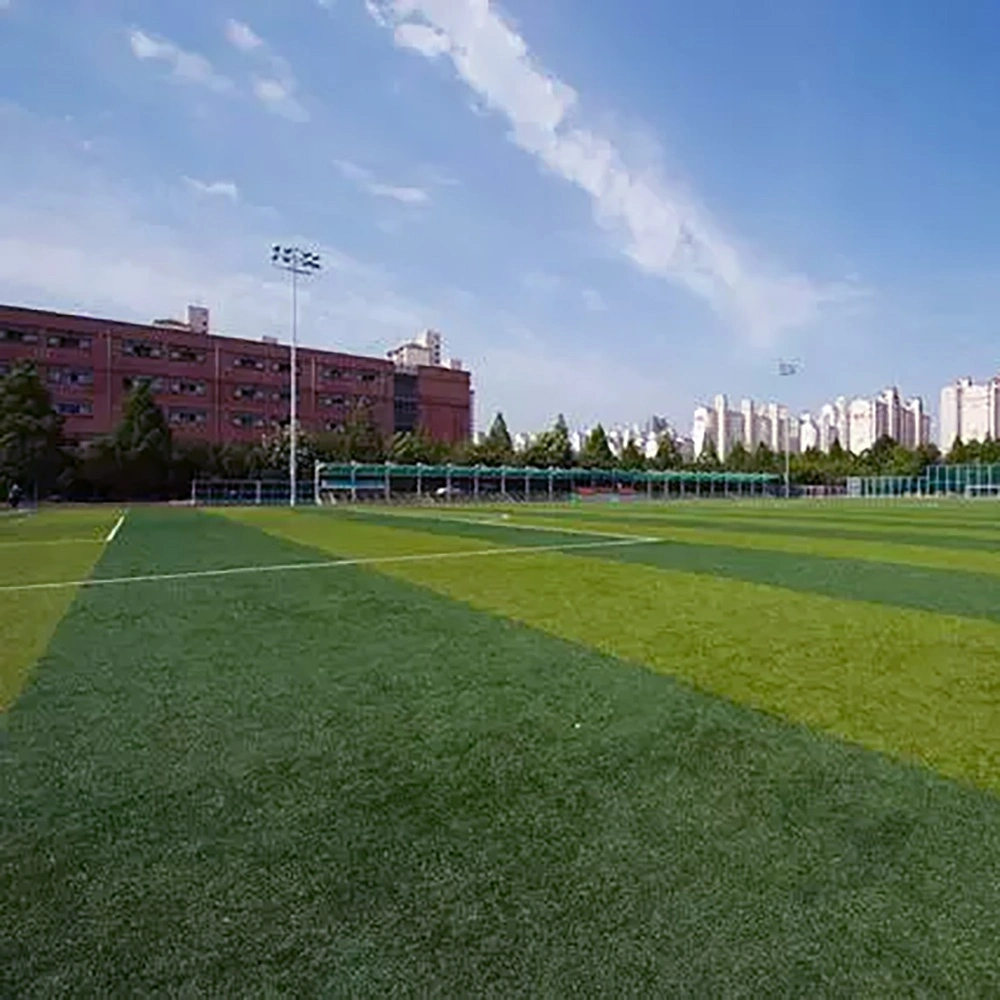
27	620
914	684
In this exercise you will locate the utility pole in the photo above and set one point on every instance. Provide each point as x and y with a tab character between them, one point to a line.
786	369
298	263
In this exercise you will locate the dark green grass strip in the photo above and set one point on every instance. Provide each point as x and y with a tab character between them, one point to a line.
972	595
912	534
340	784
457	526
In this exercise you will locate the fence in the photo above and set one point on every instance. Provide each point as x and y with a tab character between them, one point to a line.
936	480
358	482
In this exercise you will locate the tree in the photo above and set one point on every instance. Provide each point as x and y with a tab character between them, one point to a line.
738	459
631	458
358	439
559	447
30	432
551	448
668	454
764	460
596	452
497	448
958	455
413	447
142	446
709	457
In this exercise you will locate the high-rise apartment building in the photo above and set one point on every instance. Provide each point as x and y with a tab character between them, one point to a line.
856	424
970	411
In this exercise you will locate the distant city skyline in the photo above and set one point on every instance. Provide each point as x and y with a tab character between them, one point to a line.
855	423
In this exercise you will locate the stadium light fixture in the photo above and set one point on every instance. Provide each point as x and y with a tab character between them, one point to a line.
786	369
298	263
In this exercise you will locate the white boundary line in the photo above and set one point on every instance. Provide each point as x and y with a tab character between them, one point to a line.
200	574
114	530
504	523
52	541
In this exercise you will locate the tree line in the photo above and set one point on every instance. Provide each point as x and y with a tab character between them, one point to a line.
142	459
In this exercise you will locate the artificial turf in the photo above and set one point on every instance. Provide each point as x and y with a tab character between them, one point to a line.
430	778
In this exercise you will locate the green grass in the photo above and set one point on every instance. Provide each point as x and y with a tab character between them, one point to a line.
698	769
50	545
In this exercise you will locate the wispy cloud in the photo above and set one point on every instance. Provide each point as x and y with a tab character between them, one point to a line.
664	230
241	36
188	67
365	180
274	83
6	5
214	189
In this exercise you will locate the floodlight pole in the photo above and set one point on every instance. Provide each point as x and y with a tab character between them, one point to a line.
788	368
297	262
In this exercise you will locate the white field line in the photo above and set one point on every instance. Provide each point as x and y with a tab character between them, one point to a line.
200	574
52	541
114	530
492	523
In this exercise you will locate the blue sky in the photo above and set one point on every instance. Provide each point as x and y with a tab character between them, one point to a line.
608	209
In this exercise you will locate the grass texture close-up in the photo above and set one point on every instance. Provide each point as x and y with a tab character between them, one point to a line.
699	749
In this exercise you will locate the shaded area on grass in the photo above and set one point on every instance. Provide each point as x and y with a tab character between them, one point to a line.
339	782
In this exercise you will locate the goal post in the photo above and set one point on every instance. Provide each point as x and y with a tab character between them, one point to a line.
977	490
340	482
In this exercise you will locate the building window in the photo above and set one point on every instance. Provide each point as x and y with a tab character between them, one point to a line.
189	355
334	425
248	361
188	387
71	376
19	336
69	341
333	373
282	396
75	408
130	382
142	349
249	421
367	376
332	400
284	367
188	418
254	392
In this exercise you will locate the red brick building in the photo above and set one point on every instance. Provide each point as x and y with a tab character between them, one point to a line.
221	388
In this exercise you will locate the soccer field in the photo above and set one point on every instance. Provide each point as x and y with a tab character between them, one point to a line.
693	749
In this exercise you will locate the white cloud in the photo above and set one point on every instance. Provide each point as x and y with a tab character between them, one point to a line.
422	39
274	85
241	36
663	228
278	95
214	189
367	182
189	67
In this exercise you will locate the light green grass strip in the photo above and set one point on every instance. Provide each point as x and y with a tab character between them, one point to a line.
917	685
27	620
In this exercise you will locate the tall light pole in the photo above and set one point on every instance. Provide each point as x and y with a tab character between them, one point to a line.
787	369
298	263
